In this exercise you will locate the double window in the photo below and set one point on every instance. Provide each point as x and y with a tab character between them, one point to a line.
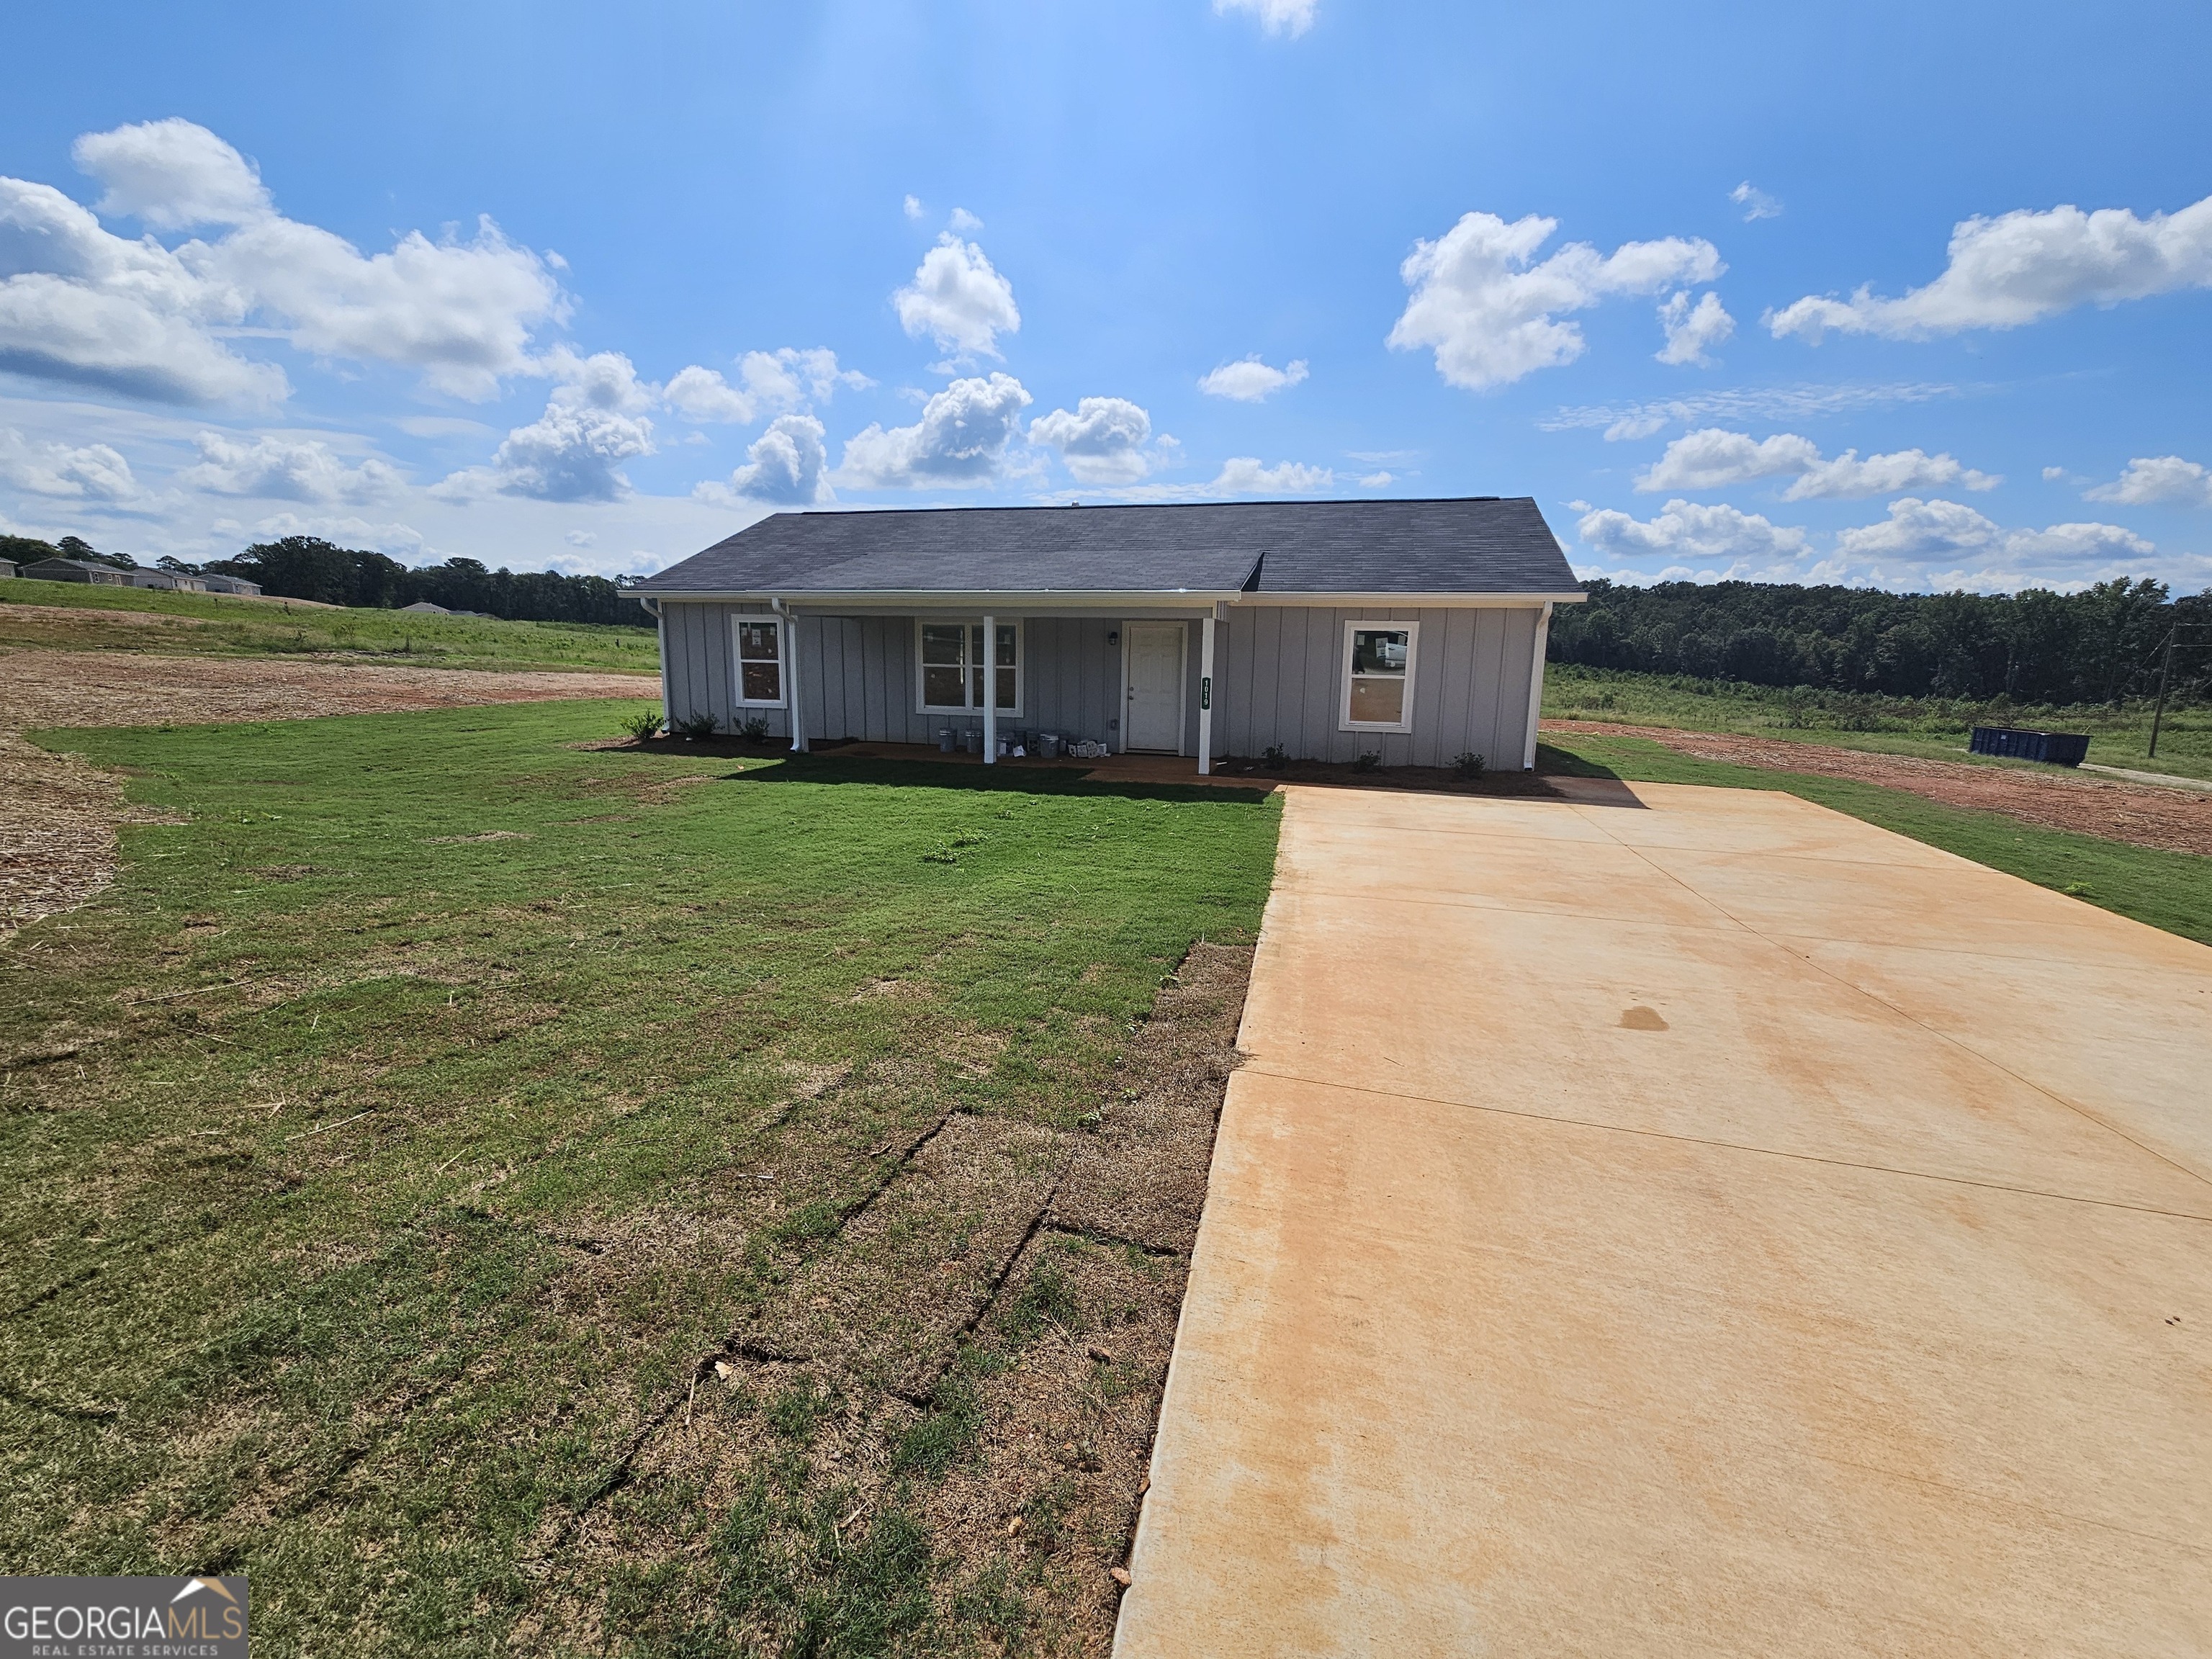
1378	677
955	665
760	661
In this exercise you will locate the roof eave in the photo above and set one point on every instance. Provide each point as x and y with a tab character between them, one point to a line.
1089	599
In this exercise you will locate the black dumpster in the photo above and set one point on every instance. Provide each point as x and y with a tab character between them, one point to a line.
2053	748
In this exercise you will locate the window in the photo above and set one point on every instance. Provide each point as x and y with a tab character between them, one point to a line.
1378	677
954	664
760	662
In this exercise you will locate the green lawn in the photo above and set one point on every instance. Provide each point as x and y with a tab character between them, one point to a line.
1889	726
213	624
390	1142
2172	890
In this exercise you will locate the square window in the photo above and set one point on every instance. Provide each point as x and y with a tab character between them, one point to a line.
957	663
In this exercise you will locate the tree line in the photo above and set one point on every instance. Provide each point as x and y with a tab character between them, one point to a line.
309	567
2099	646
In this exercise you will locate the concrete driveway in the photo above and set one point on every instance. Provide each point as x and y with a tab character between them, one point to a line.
1690	1222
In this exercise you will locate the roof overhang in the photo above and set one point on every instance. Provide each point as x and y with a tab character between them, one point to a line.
903	600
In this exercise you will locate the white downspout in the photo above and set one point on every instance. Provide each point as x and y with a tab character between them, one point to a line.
1206	692
990	691
1536	686
791	673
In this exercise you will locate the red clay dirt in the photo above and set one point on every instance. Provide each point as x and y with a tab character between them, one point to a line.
114	688
2145	816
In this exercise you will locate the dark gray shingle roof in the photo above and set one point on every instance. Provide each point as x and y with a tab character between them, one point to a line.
1476	544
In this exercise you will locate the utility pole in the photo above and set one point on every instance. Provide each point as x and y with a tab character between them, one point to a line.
2165	675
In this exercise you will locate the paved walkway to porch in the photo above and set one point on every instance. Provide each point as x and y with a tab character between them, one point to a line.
1700	1223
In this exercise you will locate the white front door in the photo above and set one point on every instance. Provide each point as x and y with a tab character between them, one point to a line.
1153	715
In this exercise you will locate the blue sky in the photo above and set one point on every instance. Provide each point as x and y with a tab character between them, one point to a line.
1913	295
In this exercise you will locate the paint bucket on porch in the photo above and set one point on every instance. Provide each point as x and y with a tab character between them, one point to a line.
945	741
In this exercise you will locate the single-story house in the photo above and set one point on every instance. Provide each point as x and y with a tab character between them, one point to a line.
167	581
215	584
7	568
1413	630
76	570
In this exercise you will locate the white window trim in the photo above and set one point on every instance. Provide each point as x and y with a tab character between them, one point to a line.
922	704
783	642
1412	630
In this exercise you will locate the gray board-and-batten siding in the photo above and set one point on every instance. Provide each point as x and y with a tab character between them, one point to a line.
1278	679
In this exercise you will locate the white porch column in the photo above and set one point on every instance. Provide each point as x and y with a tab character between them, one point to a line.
1536	686
990	691
1206	693
791	679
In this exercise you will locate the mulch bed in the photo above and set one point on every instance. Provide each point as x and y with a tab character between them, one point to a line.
2172	820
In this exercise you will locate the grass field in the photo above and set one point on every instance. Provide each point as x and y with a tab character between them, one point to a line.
142	619
2172	890
1886	726
390	1143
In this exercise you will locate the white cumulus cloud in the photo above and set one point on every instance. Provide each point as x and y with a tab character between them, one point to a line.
171	175
787	466
1251	382
1102	442
961	438
1692	331
1244	475
1714	458
958	300
1720	534
2147	481
285	469
81	305
574	451
1491	311
87	472
2023	266
1291	17
1959	547
701	394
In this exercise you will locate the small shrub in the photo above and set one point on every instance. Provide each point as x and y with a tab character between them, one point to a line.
695	726
1468	764
1274	757
1369	762
754	729
644	725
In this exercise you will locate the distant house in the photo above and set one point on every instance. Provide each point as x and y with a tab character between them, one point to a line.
76	570
1324	630
168	582
7	568
215	584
